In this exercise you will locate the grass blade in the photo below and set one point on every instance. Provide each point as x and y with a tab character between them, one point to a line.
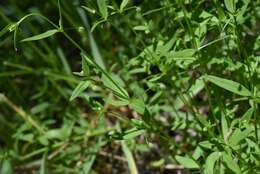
130	158
93	45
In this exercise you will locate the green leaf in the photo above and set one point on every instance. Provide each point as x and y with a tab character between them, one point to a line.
65	64
194	90
41	36
102	6
54	134
89	161
187	162
247	116
60	133
6	167
114	84
79	89
87	165
40	108
202	120
231	164
5	30
198	152
224	126
93	45
133	134
138	105
239	135
230	5
110	82
158	163
164	49
96	52
141	27
183	54
117	102
206	144
89	9
210	162
123	5
229	85
60	15
129	158
42	169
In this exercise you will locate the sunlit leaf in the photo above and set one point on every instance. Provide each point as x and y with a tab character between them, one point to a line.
239	135
230	5
229	85
211	161
133	134
79	89
129	158
187	162
110	82
6	167
41	36
102	6
231	164
123	4
138	105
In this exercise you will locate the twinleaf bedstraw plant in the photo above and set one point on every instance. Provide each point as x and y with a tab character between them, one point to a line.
138	86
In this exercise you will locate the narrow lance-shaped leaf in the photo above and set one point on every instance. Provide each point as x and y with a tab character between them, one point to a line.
60	15
64	61
185	53
224	126
42	169
211	161
123	4
88	163
133	134
229	85
108	80
79	89
247	116
187	162
230	5
238	135
5	30
89	9
41	36
102	6
231	164
111	83
130	158
138	105
6	167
